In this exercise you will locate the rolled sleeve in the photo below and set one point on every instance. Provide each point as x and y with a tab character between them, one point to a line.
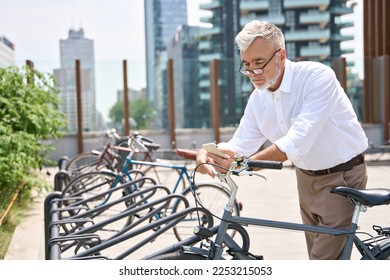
286	145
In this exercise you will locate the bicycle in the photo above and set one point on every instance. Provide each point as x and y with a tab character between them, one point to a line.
98	159
215	244
93	184
113	158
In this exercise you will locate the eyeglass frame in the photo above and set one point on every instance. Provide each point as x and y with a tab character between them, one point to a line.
257	70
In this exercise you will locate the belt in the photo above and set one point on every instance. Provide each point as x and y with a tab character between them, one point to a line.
359	159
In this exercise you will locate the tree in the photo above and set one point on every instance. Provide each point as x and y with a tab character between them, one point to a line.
141	110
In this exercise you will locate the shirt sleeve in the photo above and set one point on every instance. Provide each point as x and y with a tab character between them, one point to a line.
248	137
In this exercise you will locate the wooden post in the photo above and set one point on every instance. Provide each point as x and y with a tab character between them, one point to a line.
386	99
376	63
171	105
340	68
214	99
126	104
79	108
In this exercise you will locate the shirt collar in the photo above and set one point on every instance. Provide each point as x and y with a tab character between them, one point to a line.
285	86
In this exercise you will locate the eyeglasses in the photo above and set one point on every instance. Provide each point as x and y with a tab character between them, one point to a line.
257	70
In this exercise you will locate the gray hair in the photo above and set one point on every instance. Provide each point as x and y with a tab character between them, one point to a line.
268	31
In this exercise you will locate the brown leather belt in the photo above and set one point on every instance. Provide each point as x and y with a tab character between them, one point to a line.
359	159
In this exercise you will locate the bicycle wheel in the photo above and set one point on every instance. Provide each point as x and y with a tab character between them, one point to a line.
211	196
87	162
243	243
165	176
180	255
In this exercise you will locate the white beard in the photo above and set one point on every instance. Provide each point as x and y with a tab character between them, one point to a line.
270	81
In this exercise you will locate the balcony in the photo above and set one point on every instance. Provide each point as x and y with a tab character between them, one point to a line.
320	18
209	57
319	51
204	32
205	45
276	19
347	50
206	19
321	36
341	10
322	5
252	5
346	24
214	4
340	37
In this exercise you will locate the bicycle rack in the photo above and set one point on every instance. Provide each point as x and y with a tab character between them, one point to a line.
72	233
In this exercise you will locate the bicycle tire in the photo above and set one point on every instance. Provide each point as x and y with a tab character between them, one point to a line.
180	255
87	162
163	176
213	197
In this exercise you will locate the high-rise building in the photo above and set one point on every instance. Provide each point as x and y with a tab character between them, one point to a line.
217	42
7	52
183	49
77	47
313	31
162	17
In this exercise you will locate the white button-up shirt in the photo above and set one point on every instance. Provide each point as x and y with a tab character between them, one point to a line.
309	117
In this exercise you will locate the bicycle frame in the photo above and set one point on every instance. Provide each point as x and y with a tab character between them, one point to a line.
227	218
216	248
183	173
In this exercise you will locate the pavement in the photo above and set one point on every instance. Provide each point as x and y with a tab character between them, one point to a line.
274	198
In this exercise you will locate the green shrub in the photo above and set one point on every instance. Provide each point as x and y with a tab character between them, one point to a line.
29	117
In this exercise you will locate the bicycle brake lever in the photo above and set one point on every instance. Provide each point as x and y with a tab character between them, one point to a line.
251	173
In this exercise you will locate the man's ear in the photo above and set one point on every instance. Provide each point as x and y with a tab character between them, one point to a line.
283	54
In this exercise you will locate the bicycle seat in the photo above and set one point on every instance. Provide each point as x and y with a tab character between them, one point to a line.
368	197
152	146
188	154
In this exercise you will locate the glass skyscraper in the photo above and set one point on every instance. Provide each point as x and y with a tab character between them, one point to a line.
77	47
162	18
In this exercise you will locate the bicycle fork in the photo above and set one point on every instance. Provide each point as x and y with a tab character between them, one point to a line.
226	217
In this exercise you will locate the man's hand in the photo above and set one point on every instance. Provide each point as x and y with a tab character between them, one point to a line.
203	157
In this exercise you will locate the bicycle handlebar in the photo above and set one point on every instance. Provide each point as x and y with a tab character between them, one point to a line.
265	164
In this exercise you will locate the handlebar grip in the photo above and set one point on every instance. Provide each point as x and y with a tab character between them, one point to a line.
266	164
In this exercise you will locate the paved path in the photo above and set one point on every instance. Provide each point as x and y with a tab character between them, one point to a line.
275	198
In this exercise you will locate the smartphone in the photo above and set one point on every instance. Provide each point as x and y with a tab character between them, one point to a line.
213	148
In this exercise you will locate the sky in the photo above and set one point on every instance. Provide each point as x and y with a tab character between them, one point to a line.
116	26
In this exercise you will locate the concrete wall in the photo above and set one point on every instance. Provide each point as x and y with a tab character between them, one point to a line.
186	138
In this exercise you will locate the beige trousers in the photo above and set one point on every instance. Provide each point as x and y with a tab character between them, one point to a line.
319	207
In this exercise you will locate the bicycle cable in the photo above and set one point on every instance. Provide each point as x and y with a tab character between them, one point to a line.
197	202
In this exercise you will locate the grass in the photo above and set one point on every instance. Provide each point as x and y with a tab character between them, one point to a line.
35	181
13	218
